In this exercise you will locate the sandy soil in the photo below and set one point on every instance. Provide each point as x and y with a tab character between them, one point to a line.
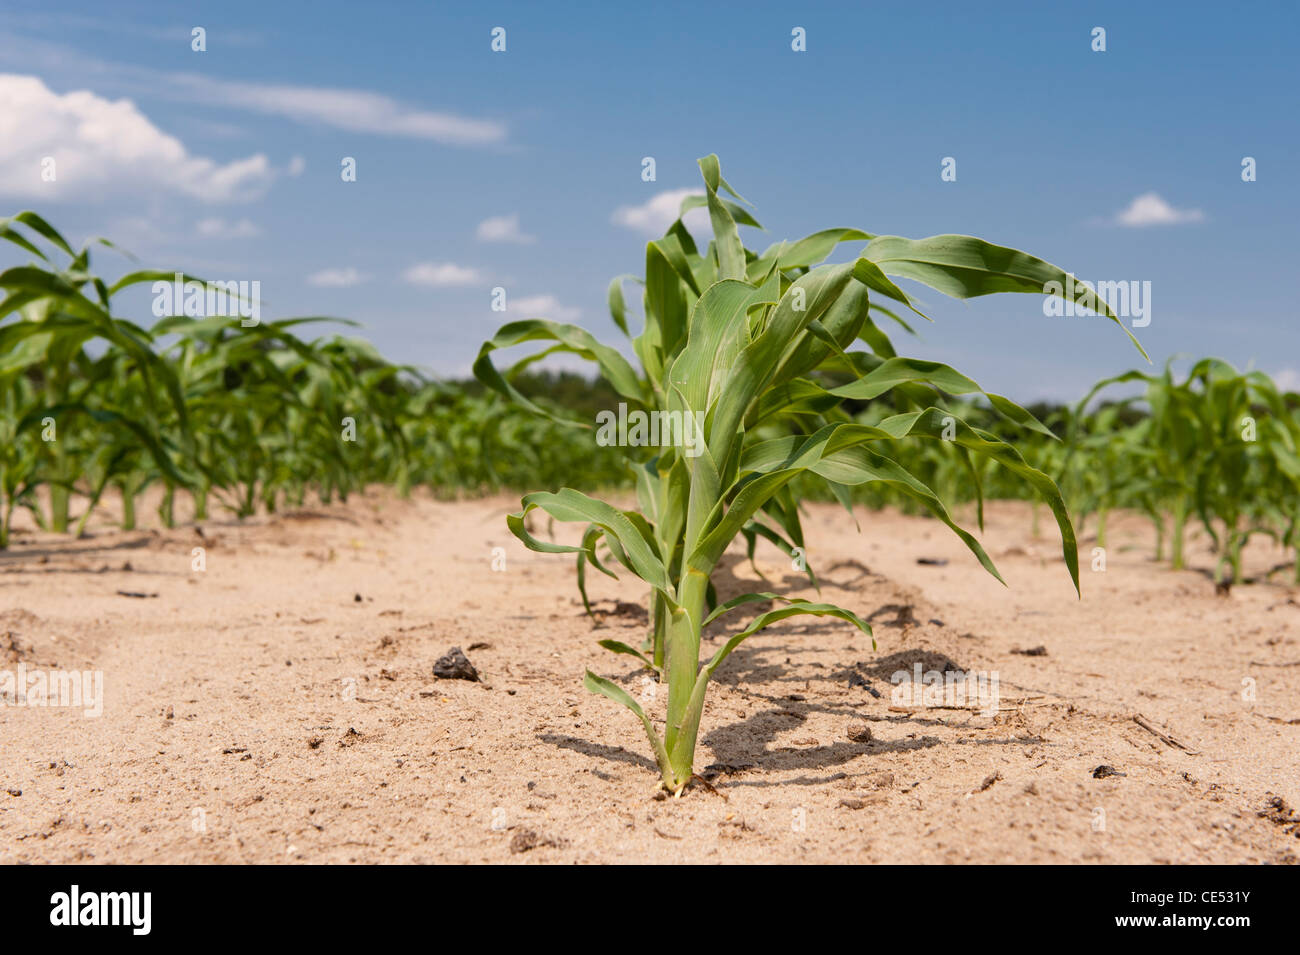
280	705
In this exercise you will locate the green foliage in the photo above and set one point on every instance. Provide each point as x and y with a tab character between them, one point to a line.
244	418
754	348
1220	446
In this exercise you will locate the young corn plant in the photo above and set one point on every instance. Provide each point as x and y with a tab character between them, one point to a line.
59	401
739	343
243	418
1219	446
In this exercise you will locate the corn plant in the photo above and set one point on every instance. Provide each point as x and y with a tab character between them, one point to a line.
59	400
1221	446
243	418
739	342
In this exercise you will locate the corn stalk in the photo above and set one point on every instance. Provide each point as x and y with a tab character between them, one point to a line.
736	341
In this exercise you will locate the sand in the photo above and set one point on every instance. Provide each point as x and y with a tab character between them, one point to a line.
279	706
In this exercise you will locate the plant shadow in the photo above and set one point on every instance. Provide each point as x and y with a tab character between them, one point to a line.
613	754
748	744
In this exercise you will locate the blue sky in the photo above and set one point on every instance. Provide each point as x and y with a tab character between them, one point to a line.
522	169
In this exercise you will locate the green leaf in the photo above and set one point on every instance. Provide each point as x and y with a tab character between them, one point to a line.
573	340
797	608
626	532
617	306
743	599
963	266
616	646
598	684
731	252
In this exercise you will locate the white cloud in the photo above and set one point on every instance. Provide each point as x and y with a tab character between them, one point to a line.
543	306
657	214
503	229
442	274
221	229
337	278
99	144
296	165
1149	209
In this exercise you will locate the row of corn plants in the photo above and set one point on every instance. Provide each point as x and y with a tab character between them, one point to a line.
1219	447
240	419
1215	448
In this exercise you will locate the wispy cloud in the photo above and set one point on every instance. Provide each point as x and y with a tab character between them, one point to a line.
503	229
351	110
221	229
656	214
97	143
59	24
543	306
355	111
442	275
337	278
1150	209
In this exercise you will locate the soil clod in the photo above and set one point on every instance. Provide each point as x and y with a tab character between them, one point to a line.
860	734
1279	811
454	665
10	648
526	840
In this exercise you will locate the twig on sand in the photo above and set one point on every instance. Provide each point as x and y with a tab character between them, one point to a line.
1011	705
708	786
1168	740
1278	719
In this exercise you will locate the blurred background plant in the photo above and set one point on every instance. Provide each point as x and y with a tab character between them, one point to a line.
241	418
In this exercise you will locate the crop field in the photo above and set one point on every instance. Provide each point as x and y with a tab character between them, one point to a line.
714	571
184	462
